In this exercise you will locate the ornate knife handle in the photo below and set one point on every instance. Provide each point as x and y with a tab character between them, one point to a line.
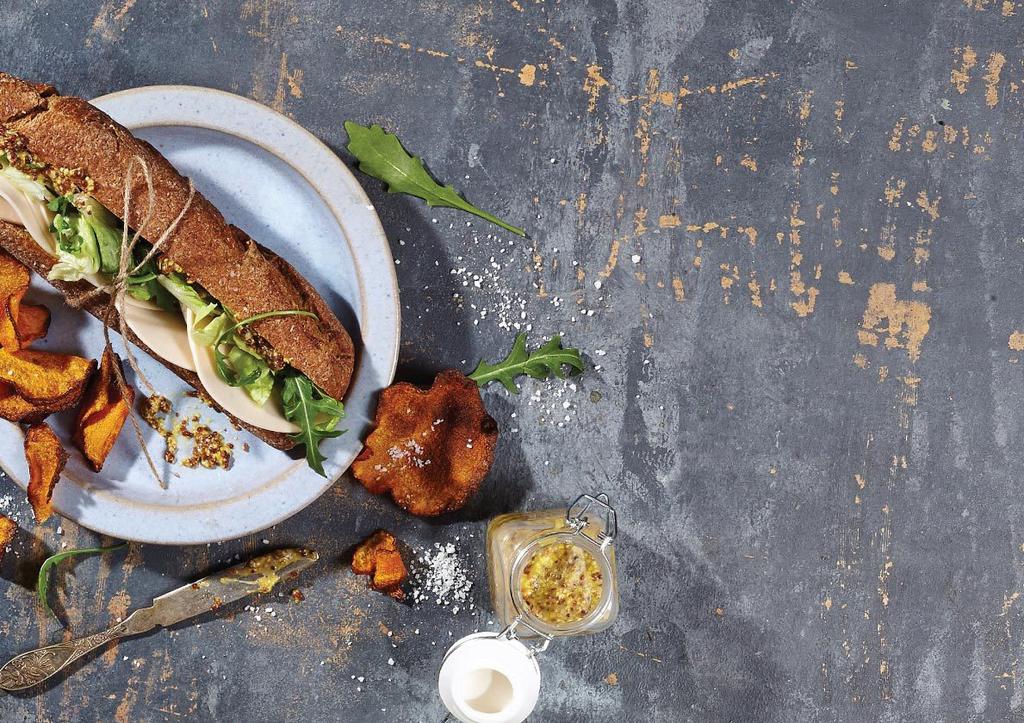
35	666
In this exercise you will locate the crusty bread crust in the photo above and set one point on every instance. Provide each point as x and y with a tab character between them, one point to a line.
67	132
20	244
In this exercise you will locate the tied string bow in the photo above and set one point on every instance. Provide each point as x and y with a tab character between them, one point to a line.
118	286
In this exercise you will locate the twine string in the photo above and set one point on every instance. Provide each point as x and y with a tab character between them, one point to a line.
118	286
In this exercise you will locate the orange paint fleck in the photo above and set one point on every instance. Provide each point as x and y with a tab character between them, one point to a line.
805	105
896	136
1016	341
929	207
960	77
894	190
528	74
669	220
906	322
677	289
613	259
593	84
993	68
845	278
755	291
749	163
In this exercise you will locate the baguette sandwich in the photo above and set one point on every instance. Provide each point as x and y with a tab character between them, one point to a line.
226	315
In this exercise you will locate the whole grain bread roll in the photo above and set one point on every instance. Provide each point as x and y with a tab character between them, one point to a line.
19	244
96	153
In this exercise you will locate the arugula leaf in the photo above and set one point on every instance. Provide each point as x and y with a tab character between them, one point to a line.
382	156
547	360
43	581
315	414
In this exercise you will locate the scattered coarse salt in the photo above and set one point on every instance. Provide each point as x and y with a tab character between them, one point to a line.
438	573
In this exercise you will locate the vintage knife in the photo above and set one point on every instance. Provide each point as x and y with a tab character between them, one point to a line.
259	574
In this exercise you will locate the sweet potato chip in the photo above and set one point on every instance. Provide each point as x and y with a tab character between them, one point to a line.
14	280
378	555
15	408
31	324
42	375
46	458
7	530
430	449
102	413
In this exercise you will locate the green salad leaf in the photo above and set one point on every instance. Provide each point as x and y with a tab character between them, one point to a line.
548	360
178	287
106	229
43	581
226	336
143	285
315	414
381	155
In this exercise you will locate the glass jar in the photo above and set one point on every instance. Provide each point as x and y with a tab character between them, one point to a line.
552	573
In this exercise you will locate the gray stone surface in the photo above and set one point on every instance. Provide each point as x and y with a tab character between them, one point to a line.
804	218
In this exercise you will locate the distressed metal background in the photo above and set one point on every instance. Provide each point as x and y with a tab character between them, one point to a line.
789	233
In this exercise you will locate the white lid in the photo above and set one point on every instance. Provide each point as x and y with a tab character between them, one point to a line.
489	678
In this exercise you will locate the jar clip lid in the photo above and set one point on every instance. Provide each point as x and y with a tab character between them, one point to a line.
578	519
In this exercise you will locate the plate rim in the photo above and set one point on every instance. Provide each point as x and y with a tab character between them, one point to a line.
387	373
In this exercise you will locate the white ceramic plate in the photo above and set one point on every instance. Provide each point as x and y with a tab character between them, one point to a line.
289	191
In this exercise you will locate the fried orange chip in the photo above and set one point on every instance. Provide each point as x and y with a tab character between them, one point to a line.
42	375
102	413
430	449
46	458
378	555
7	530
31	324
15	408
14	280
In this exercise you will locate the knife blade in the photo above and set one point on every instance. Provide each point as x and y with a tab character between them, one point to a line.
258	575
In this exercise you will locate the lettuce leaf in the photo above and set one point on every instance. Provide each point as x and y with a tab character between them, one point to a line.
72	267
212	330
106	229
254	375
188	296
25	183
78	254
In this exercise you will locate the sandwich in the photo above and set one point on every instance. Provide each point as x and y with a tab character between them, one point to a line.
228	316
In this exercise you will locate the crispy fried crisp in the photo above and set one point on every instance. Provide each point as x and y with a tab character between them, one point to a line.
14	280
41	376
430	449
15	408
46	458
32	323
7	529
378	555
102	413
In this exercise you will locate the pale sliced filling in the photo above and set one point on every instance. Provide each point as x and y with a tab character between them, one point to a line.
162	331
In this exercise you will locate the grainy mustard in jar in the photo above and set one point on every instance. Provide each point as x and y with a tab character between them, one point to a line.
553	572
561	583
